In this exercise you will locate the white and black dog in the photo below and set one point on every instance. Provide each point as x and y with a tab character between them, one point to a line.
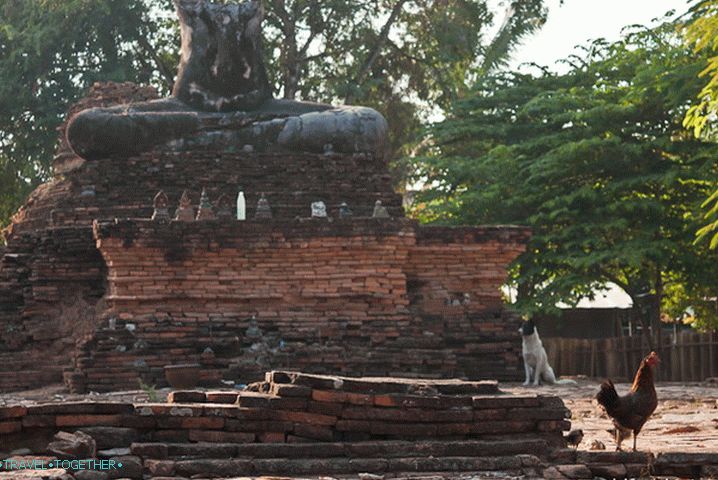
535	359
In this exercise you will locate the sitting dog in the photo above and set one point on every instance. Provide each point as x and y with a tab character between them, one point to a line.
535	359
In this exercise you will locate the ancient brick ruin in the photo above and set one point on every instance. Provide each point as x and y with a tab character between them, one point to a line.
310	426
91	288
298	424
357	296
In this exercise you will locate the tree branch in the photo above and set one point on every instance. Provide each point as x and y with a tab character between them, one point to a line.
165	72
374	54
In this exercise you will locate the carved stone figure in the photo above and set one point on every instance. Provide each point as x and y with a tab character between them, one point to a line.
380	210
319	210
205	211
221	68
344	210
185	211
224	207
161	205
263	208
222	98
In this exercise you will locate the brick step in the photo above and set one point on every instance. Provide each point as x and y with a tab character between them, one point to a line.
369	385
376	449
624	465
213	468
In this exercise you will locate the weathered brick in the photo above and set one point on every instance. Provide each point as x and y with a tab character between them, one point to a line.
38	421
499	401
160	468
150	450
306	418
314	432
222	397
187	396
272	437
291	390
12	412
88	420
10	426
203	423
214	436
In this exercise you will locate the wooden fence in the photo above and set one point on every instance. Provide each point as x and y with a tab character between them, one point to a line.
685	356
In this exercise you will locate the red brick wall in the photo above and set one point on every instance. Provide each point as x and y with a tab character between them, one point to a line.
461	269
295	271
50	284
323	296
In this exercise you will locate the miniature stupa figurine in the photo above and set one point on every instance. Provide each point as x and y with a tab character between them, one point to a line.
205	211
224	208
264	211
380	210
241	205
161	205
185	211
319	210
344	210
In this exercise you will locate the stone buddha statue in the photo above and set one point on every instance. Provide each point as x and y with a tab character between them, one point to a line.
222	99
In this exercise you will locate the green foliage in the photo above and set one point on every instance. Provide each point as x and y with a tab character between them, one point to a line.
404	57
712	228
150	390
596	161
50	52
702	32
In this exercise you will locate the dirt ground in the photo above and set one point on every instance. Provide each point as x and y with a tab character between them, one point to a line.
686	419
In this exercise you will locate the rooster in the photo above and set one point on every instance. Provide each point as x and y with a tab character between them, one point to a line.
631	411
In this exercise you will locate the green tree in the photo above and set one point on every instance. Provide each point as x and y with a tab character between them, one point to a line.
701	31
404	57
50	52
595	160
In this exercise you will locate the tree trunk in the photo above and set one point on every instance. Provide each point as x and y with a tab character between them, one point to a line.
289	56
641	312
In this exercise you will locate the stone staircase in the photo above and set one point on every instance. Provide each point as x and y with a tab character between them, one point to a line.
298	425
394	458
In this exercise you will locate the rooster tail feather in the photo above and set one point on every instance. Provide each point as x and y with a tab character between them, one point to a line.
607	395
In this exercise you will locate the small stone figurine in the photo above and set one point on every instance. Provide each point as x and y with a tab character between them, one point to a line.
224	208
264	211
319	210
161	204
344	210
205	211
380	210
185	211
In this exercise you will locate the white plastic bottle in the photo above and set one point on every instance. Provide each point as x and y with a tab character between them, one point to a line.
241	206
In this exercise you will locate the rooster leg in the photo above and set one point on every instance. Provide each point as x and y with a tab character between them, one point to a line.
619	439
635	436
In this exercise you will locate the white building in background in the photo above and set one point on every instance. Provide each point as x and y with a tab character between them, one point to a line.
612	297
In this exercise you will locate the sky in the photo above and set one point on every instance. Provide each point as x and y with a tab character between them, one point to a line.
577	21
